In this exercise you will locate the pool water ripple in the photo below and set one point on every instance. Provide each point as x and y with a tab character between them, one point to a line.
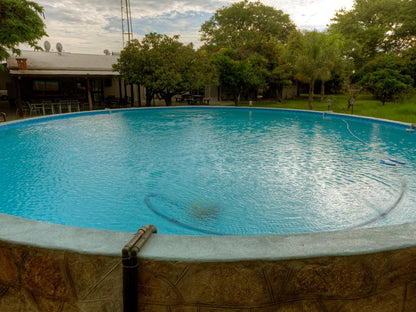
231	171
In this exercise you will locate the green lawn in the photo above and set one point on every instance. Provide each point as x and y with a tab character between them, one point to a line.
365	105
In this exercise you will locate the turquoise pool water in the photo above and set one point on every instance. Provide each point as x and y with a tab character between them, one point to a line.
202	171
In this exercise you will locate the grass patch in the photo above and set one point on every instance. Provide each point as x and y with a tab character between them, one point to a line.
365	105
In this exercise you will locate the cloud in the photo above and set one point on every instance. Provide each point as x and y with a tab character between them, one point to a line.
310	14
183	24
90	26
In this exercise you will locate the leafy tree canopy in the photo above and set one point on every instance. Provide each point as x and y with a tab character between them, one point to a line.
377	26
315	55
409	61
164	66
237	73
20	22
389	61
249	31
387	77
387	84
248	25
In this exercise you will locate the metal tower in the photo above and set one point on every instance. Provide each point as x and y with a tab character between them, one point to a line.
126	25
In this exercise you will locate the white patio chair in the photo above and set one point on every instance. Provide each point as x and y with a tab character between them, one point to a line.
48	105
32	108
75	106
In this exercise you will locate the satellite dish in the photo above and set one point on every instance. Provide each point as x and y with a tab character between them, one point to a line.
59	47
47	46
106	52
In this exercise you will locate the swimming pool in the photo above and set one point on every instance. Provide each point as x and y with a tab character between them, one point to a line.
209	171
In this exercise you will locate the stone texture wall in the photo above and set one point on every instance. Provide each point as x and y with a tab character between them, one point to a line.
35	279
42	280
379	282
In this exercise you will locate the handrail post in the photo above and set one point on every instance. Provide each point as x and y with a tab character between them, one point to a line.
129	255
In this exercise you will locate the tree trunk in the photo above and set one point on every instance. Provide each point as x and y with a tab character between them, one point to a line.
310	99
148	100
149	96
275	92
139	95
279	93
256	94
237	98
168	99
237	95
132	95
322	90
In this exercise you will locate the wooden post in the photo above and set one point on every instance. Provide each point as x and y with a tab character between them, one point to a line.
19	96
132	95
139	95
125	93
89	94
102	91
119	92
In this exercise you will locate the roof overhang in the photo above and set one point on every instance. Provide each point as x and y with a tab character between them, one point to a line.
63	73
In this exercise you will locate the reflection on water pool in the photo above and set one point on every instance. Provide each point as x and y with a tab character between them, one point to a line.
203	171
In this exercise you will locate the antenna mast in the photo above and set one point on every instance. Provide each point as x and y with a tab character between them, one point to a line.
126	25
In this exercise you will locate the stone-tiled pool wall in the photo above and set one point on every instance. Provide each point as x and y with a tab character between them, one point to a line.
41	279
38	279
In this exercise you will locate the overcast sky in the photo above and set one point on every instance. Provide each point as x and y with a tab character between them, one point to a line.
91	26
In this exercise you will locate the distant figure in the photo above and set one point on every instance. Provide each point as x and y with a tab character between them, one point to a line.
329	102
4	116
351	102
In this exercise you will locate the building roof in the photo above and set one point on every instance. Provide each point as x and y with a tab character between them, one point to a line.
62	64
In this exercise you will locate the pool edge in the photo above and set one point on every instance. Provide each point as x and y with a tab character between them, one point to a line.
209	248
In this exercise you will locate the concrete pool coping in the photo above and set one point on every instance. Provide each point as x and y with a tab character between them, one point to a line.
38	119
209	248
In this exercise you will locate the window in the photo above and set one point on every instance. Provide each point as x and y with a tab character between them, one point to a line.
45	86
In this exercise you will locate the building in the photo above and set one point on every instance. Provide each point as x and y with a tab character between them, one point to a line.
90	79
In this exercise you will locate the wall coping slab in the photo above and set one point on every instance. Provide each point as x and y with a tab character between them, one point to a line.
209	248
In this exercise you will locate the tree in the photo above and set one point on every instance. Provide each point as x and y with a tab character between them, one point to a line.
279	70
246	25
376	26
315	55
20	22
237	73
252	30
409	63
387	84
405	34
333	61
387	76
164	66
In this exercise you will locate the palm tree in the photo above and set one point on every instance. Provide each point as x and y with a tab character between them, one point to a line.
316	54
